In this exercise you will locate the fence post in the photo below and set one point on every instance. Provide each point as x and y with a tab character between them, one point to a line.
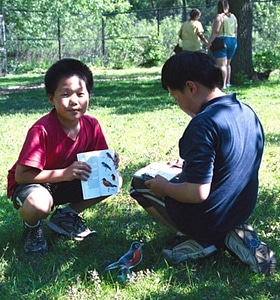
184	13
158	20
3	46
103	36
59	38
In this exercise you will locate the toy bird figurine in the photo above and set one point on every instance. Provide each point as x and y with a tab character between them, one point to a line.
129	260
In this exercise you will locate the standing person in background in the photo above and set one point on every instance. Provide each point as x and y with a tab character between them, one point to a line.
191	32
224	27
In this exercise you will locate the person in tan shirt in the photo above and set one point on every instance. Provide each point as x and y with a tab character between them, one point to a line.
191	32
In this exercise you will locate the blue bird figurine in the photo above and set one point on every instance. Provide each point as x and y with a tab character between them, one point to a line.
129	260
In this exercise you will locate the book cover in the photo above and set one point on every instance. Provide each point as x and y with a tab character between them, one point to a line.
103	180
157	168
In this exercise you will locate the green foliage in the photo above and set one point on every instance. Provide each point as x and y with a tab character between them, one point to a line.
169	28
152	52
125	52
121	53
240	78
266	61
121	49
66	8
266	20
28	67
33	35
140	4
35	25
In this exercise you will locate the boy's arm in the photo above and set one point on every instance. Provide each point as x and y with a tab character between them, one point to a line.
77	170
185	192
215	29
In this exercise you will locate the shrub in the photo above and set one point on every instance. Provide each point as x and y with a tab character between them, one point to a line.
266	61
240	78
121	53
153	52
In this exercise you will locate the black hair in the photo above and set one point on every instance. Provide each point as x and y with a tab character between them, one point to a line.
194	13
191	66
65	68
222	6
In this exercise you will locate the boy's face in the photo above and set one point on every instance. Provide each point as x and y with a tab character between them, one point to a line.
70	99
182	99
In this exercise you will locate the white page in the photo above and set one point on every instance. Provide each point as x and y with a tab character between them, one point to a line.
157	168
103	180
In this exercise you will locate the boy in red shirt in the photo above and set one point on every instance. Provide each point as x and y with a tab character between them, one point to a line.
47	172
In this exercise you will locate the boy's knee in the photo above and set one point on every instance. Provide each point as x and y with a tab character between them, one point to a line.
33	197
39	201
139	197
142	194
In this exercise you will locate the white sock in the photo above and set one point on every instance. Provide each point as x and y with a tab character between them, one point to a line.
179	233
69	209
32	226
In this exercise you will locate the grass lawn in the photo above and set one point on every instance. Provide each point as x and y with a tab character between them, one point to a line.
143	123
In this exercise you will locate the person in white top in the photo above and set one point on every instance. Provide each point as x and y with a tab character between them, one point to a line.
224	27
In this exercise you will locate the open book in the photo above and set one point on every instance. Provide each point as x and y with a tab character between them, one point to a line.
157	168
103	180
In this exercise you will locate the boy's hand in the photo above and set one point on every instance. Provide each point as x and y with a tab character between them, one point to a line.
78	170
156	186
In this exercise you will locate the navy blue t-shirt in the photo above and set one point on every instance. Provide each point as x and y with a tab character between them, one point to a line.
223	144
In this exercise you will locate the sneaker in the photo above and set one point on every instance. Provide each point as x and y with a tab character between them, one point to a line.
182	248
70	225
34	239
244	243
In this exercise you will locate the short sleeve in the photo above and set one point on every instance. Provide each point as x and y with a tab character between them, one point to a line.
33	153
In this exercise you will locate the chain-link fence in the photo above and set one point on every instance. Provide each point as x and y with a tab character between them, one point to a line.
39	36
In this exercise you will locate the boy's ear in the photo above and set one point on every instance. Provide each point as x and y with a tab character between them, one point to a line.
191	86
50	97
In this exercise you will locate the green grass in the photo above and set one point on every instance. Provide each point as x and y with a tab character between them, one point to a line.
143	123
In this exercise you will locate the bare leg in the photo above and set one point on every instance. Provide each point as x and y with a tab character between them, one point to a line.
228	71
154	213
37	206
154	206
81	206
222	63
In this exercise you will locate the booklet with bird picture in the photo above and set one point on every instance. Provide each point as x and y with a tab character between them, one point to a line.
103	180
167	171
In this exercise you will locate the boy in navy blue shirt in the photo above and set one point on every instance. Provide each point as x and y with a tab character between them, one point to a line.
209	204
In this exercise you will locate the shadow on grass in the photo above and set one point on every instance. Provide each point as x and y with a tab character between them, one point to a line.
121	96
69	262
131	96
24	101
23	80
120	220
272	138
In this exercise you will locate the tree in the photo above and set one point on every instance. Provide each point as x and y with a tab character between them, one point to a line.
242	62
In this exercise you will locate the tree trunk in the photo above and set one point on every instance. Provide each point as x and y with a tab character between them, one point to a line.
242	63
